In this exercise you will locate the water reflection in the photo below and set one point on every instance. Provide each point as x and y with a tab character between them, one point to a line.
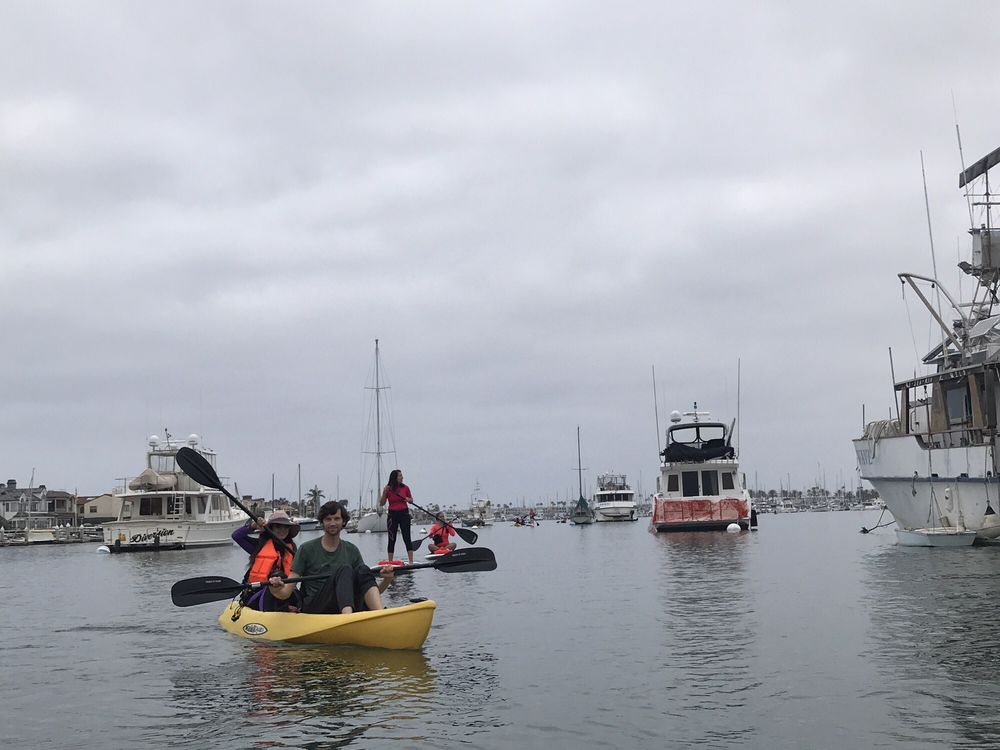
708	624
305	696
934	633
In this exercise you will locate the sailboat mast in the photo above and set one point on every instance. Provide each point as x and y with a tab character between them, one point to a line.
378	425
579	461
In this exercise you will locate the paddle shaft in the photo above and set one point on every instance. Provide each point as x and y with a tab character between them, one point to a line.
192	591
470	537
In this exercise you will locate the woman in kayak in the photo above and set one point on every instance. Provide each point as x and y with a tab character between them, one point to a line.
350	584
271	556
398	496
439	534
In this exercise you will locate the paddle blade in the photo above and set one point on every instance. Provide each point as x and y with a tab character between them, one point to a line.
470	537
202	590
466	560
198	468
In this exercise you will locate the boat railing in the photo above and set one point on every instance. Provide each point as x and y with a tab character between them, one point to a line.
961	437
723	461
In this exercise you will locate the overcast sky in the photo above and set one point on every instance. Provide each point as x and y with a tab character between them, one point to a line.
210	211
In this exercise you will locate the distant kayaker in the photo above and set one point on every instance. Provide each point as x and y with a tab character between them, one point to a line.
439	534
350	586
399	497
270	555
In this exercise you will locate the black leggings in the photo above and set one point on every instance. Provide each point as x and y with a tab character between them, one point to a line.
399	520
346	587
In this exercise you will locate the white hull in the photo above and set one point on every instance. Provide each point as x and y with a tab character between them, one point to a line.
935	537
167	533
373	522
616	512
959	494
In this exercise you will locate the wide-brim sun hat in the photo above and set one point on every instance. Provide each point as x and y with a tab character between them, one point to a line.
280	518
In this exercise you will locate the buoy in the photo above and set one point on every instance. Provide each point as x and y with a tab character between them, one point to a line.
104	550
368	531
733	528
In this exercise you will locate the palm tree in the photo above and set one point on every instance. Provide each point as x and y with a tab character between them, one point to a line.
315	496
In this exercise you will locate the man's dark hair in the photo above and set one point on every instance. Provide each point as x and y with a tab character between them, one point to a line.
330	509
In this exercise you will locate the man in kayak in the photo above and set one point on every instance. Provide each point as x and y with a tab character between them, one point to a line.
439	534
350	586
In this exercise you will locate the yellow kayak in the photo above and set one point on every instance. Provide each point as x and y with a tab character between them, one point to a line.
396	627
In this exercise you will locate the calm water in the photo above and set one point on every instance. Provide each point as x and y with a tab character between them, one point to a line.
803	634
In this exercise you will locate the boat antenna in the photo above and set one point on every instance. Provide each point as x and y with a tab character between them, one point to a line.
656	411
930	234
579	461
895	398
961	158
738	423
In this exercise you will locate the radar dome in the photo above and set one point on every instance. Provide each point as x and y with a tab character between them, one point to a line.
154	440
193	439
675	416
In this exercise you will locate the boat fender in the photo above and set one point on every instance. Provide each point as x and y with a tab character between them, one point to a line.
733	528
103	549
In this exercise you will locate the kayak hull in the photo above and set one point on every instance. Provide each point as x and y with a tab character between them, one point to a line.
395	628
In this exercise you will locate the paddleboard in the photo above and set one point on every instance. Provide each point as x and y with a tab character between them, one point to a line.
435	555
391	562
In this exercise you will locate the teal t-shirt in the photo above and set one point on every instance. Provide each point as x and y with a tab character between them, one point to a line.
311	559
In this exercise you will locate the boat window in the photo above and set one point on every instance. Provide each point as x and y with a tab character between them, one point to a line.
672	483
710	483
151	506
201	505
727	480
957	403
126	510
690	480
187	504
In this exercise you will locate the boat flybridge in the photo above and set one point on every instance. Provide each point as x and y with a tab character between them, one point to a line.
163	508
936	465
700	486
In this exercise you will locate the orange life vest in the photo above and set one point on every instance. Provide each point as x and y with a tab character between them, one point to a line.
265	562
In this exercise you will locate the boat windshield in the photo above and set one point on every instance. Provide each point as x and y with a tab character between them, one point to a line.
698	434
161	463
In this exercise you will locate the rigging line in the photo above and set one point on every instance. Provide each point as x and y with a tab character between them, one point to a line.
909	319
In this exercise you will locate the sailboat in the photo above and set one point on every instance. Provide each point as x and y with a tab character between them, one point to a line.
371	517
582	513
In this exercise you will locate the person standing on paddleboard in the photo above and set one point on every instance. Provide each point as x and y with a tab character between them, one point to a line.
398	496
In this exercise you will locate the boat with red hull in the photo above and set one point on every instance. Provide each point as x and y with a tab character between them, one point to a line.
700	487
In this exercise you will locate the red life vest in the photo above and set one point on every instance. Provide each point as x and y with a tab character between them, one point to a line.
266	561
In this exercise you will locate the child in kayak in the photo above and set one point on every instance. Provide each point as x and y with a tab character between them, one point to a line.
270	555
350	585
439	534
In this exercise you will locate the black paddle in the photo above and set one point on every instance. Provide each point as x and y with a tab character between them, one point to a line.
470	537
205	589
200	470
